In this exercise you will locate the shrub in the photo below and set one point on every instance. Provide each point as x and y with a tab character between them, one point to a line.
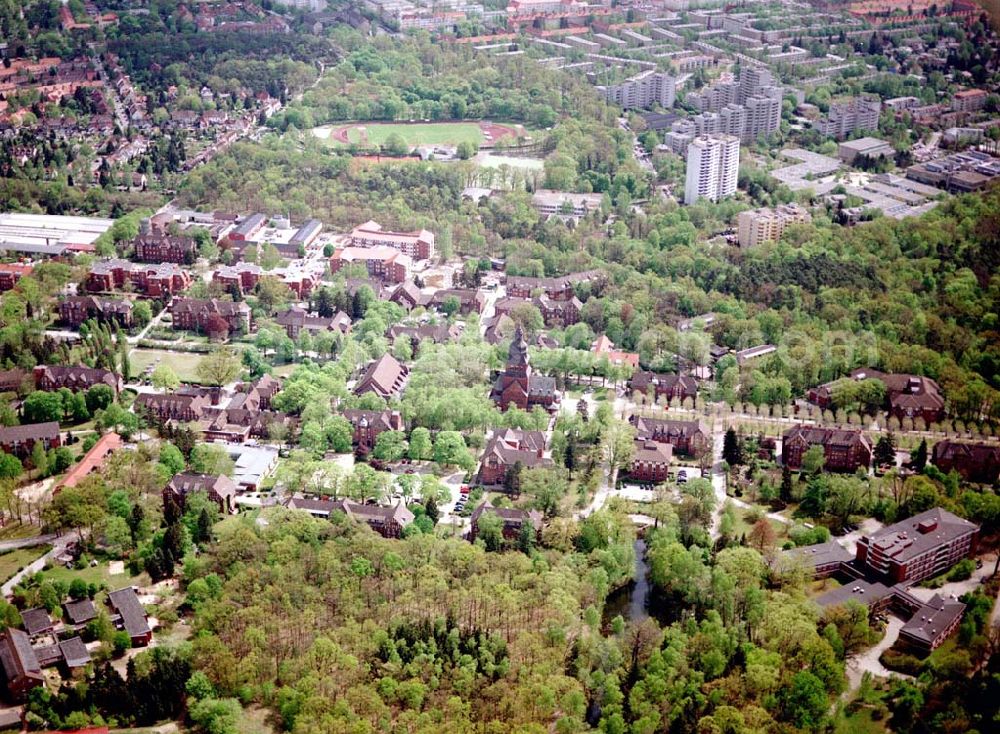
962	570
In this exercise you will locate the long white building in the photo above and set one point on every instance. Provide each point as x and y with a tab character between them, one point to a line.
713	163
643	90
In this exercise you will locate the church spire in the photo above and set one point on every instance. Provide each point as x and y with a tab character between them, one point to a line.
518	354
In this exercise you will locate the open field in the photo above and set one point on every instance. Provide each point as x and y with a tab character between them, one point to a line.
418	133
13	561
184	365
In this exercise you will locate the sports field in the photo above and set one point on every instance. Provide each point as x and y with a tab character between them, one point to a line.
483	134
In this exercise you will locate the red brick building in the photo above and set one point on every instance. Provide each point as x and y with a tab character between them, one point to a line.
555	314
296	320
512	521
664	386
220	489
418	245
687	437
368	424
160	247
974	461
384	263
844	449
211	316
561	288
517	385
76	378
10	273
385	377
74	310
20	440
650	462
508	447
242	276
920	547
155	281
907	396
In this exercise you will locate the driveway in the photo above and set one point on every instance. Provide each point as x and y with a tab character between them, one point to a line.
867	661
37	565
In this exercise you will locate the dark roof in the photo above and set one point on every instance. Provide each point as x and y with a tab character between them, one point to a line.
185	483
815	435
79	612
647	427
29	432
313	506
641	380
919	534
819	554
859	591
931	621
36	621
126	603
511	516
385	377
17	657
248	225
74	652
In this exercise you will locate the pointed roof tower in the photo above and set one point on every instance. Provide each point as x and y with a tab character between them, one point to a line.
518	354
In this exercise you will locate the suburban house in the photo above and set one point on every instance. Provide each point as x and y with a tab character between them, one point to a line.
160	247
604	346
21	669
418	245
919	547
92	461
664	386
408	296
687	437
844	449
129	615
10	273
212	316
389	522
219	488
37	622
382	263
296	320
74	310
974	461
385	377
508	447
517	385
20	440
650	461
368	424
907	396
77	378
153	280
79	612
513	520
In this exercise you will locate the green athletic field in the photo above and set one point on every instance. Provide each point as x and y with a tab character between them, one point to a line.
426	133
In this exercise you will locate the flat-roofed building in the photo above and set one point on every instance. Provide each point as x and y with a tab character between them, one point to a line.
642	90
872	148
767	225
418	245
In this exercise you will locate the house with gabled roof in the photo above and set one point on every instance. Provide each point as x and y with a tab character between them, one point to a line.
385	377
130	615
513	520
844	449
219	488
21	669
508	447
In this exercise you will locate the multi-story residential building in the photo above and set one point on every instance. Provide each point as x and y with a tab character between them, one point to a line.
822	560
49	378
754	80
20	440
153	280
919	547
844	449
907	396
932	623
384	263
713	165
385	377
161	247
368	424
210	315
650	461
10	273
974	461
664	386
296	320
763	115
847	117
767	225
969	100
469	300
559	288
517	385
241	276
507	448
555	313
686	437
184	405
715	97
74	310
418	245
642	90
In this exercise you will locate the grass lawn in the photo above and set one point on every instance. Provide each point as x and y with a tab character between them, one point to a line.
860	723
15	560
97	575
185	366
427	133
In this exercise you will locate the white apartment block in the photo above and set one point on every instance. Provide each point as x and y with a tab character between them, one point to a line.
767	225
846	117
643	90
713	164
763	116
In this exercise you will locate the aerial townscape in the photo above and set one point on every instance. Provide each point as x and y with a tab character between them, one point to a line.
500	366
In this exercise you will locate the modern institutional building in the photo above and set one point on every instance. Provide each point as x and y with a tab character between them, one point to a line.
643	90
417	245
713	163
767	225
919	547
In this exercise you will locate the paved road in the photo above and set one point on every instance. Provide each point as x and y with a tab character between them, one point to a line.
9	545
37	565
